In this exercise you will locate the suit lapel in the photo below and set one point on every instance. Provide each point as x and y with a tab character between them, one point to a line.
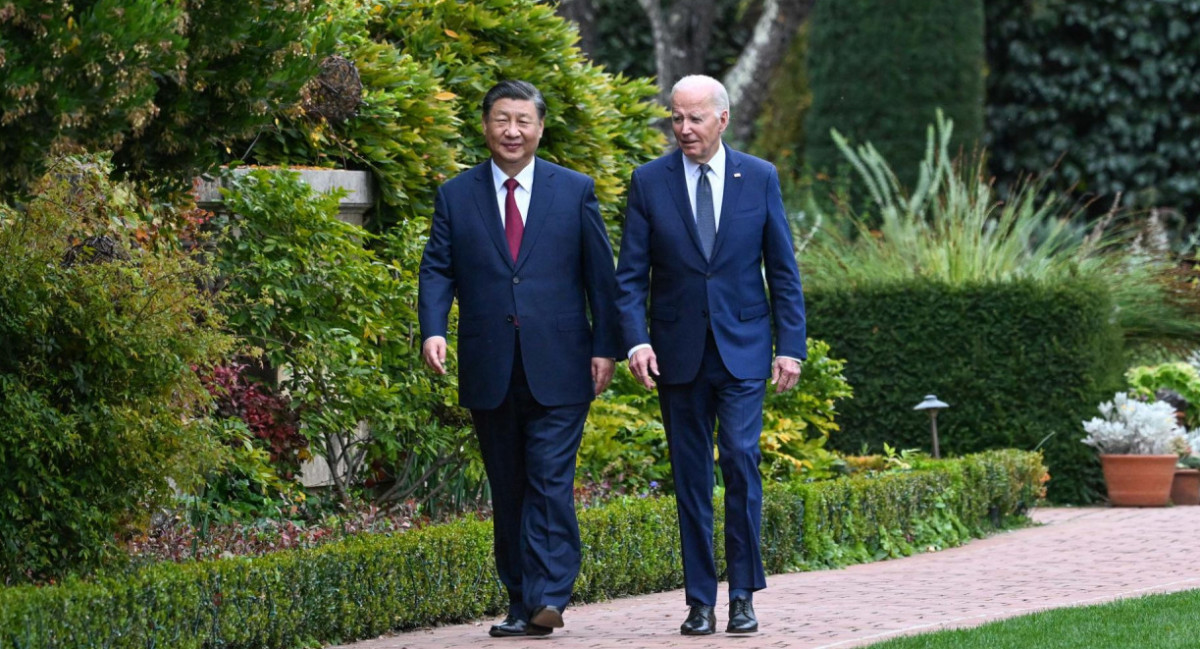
677	185
489	209
733	191
540	201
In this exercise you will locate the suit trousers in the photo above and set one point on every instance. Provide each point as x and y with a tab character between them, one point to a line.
690	412
529	453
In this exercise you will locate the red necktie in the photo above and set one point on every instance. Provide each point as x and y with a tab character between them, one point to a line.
513	227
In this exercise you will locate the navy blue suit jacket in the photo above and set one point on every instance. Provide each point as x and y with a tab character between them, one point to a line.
563	274
661	259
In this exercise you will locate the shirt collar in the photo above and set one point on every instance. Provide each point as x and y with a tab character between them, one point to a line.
524	176
717	163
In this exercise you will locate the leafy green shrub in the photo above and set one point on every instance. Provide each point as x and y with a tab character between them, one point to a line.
624	444
797	424
163	85
1098	95
879	68
98	398
302	288
1017	361
365	586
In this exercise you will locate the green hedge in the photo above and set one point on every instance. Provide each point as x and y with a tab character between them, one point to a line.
1100	95
878	70
368	585
1016	361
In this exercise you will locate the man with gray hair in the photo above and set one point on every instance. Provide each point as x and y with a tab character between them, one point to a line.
704	226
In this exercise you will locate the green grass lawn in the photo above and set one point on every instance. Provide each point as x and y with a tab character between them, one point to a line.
1152	622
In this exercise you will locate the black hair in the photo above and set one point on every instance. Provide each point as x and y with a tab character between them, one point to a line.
513	89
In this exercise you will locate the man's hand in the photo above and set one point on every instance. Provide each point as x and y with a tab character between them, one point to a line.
433	352
602	373
644	366
785	373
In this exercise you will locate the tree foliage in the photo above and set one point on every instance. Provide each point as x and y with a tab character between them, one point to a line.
426	65
880	68
1099	95
163	85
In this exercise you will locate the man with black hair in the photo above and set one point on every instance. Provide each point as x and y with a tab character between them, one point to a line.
520	243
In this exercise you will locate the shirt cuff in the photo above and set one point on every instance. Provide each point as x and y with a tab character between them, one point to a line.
635	349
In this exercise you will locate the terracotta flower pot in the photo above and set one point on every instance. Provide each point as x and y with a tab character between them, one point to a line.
1185	488
1138	480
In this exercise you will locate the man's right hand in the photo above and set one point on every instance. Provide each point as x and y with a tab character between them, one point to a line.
644	366
434	353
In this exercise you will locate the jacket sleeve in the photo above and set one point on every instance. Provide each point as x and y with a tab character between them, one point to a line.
633	269
435	280
783	277
599	280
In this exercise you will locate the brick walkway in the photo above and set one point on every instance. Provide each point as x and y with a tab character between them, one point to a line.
1078	556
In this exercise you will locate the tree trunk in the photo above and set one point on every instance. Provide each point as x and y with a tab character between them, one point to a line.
747	82
682	34
583	14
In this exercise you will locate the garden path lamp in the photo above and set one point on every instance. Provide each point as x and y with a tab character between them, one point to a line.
932	404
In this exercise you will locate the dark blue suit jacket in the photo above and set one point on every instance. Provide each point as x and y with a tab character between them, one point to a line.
563	274
661	258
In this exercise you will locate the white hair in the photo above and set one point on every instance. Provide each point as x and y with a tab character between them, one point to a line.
720	98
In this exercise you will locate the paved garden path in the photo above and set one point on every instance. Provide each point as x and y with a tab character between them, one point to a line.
1077	556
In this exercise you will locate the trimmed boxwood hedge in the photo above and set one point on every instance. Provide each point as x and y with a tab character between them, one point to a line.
1017	361
368	585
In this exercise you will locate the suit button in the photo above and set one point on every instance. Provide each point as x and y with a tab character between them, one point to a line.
508	319
708	276
704	313
516	280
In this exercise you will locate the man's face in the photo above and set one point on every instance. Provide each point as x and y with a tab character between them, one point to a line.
512	130
697	124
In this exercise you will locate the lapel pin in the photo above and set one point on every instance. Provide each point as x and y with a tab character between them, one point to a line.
737	174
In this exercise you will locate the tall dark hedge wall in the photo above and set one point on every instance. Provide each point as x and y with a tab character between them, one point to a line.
1112	88
880	68
1015	361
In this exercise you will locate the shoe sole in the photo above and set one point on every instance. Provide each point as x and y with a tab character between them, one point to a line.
742	631
537	630
548	617
682	632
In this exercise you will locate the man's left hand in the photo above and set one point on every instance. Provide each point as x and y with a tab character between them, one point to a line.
602	373
785	374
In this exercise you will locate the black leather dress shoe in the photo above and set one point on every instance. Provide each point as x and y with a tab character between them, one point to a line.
510	627
701	620
547	616
537	629
741	617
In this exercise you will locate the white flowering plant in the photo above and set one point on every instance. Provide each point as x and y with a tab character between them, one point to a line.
1132	427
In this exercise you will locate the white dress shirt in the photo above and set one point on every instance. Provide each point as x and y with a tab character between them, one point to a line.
716	178
523	191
